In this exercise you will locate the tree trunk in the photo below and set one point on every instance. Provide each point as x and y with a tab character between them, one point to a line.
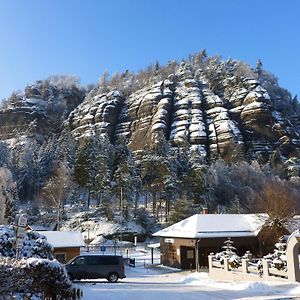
167	209
153	203
99	197
58	215
146	199
89	198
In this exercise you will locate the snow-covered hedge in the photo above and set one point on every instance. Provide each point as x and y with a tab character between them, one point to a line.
34	245
35	276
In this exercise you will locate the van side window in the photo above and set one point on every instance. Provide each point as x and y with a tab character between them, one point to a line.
79	261
92	260
108	260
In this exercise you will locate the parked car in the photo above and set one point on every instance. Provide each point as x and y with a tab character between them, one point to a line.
92	266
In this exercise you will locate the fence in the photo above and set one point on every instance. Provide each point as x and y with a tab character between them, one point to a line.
139	256
246	272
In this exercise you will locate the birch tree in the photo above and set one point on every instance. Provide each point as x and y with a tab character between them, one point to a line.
55	192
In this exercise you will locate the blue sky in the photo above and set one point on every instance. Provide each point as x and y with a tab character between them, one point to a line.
39	38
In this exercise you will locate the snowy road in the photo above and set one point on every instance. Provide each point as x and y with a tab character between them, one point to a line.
160	283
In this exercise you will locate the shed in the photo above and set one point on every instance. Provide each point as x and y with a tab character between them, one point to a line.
187	244
66	244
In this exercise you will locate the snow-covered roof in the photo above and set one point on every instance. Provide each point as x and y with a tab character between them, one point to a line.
39	227
216	225
155	245
64	239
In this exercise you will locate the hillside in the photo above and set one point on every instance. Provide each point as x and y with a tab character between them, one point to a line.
203	130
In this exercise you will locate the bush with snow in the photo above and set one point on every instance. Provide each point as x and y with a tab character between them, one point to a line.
36	273
35	276
34	245
228	251
278	257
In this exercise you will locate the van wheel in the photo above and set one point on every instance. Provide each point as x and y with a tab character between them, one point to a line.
113	277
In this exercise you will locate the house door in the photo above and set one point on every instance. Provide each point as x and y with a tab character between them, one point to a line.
187	257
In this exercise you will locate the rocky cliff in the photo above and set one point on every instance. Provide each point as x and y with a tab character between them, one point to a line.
231	116
38	111
219	109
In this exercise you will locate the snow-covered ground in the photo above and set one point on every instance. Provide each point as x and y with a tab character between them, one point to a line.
151	283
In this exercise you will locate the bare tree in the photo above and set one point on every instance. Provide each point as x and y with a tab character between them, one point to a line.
278	199
55	191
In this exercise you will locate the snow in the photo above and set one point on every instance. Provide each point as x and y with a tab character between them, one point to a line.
158	282
54	264
34	101
60	239
215	225
158	126
113	94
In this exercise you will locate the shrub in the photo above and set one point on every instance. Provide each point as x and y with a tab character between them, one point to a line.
35	276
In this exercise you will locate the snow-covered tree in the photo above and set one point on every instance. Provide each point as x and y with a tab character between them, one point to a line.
54	193
229	251
4	155
34	245
125	179
8	196
182	208
35	278
278	257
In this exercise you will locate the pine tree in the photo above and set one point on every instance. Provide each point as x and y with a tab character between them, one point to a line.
4	155
81	167
278	257
182	209
125	178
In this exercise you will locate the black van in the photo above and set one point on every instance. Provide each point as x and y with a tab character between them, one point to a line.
92	266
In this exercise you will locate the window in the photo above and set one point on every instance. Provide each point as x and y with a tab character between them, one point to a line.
102	260
92	260
79	261
170	251
190	254
61	257
108	260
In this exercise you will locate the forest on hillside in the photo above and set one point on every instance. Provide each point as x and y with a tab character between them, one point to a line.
166	180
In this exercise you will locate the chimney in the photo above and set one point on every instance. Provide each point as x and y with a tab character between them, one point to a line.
204	211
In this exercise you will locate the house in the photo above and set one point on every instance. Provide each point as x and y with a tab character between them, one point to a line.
66	244
187	244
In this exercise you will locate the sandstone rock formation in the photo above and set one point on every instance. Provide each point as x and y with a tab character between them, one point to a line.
186	110
215	111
